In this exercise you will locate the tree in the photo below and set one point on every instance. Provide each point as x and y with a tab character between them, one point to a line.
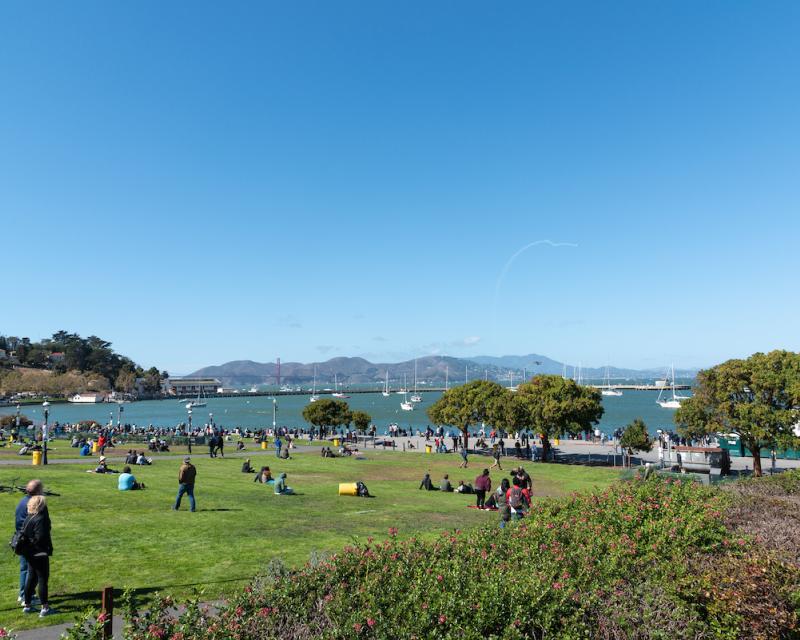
125	382
756	399
552	406
361	420
635	438
468	404
327	413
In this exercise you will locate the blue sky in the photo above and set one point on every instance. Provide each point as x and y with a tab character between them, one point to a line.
202	182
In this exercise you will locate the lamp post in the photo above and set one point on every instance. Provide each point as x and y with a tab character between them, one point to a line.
110	419
120	409
17	417
189	432
46	407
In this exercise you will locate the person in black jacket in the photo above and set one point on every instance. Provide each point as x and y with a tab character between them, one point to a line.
38	549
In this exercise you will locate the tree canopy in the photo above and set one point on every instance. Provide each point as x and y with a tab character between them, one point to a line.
552	406
635	437
327	413
469	404
757	398
361	420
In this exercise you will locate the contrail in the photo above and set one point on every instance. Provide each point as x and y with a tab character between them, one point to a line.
508	264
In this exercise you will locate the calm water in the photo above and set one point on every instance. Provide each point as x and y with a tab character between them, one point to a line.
257	411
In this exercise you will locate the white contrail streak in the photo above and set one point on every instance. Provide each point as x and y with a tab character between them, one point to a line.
510	261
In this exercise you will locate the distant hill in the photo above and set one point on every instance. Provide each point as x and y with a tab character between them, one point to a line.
535	363
431	370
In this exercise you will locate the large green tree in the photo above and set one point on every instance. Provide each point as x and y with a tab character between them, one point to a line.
326	413
469	404
756	398
552	406
361	420
635	438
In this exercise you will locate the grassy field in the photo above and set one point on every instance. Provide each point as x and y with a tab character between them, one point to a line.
102	536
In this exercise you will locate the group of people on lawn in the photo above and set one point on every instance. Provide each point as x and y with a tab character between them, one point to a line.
512	498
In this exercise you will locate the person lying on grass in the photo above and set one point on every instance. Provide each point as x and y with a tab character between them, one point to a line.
281	488
463	487
264	476
127	482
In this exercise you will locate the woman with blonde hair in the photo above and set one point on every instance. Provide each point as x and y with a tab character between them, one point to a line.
38	549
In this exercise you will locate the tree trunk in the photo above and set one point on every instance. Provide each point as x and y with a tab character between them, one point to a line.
465	435
757	462
545	448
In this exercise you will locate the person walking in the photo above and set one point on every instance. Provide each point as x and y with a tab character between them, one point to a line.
38	549
463	453
33	488
186	478
496	456
212	445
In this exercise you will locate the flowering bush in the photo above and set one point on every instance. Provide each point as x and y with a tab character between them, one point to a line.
641	559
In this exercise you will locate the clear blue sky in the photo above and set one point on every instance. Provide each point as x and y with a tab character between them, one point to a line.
201	182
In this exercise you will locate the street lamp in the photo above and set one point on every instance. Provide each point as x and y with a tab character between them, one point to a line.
189	431
120	409
18	417
46	407
211	420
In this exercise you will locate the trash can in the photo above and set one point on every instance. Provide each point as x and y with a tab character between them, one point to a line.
428	448
336	442
95	447
556	441
348	489
37	458
263	444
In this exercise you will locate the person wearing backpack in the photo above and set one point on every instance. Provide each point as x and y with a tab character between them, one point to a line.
38	549
33	488
518	499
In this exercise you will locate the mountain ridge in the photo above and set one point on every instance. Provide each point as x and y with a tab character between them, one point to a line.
430	369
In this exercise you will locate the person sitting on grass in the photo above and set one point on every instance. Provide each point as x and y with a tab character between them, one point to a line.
85	449
281	488
131	457
445	485
102	467
426	483
127	482
463	487
498	496
246	468
264	476
141	460
240	446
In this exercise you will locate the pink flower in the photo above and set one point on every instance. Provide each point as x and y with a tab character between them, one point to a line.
393	531
440	577
557	586
442	619
370	622
357	627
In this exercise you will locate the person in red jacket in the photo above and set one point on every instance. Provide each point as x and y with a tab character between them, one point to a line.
483	484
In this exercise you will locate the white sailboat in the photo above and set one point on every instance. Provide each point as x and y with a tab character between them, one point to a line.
405	405
385	392
608	390
314	397
675	401
404	390
199	401
337	393
415	397
511	386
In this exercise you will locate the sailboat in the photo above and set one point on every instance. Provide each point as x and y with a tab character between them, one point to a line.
511	386
197	402
675	401
314	397
404	390
405	405
607	389
337	393
415	397
385	392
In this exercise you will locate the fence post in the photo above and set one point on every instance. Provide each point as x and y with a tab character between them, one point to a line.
107	608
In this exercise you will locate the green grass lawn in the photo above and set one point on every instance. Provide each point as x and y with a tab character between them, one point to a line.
105	537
